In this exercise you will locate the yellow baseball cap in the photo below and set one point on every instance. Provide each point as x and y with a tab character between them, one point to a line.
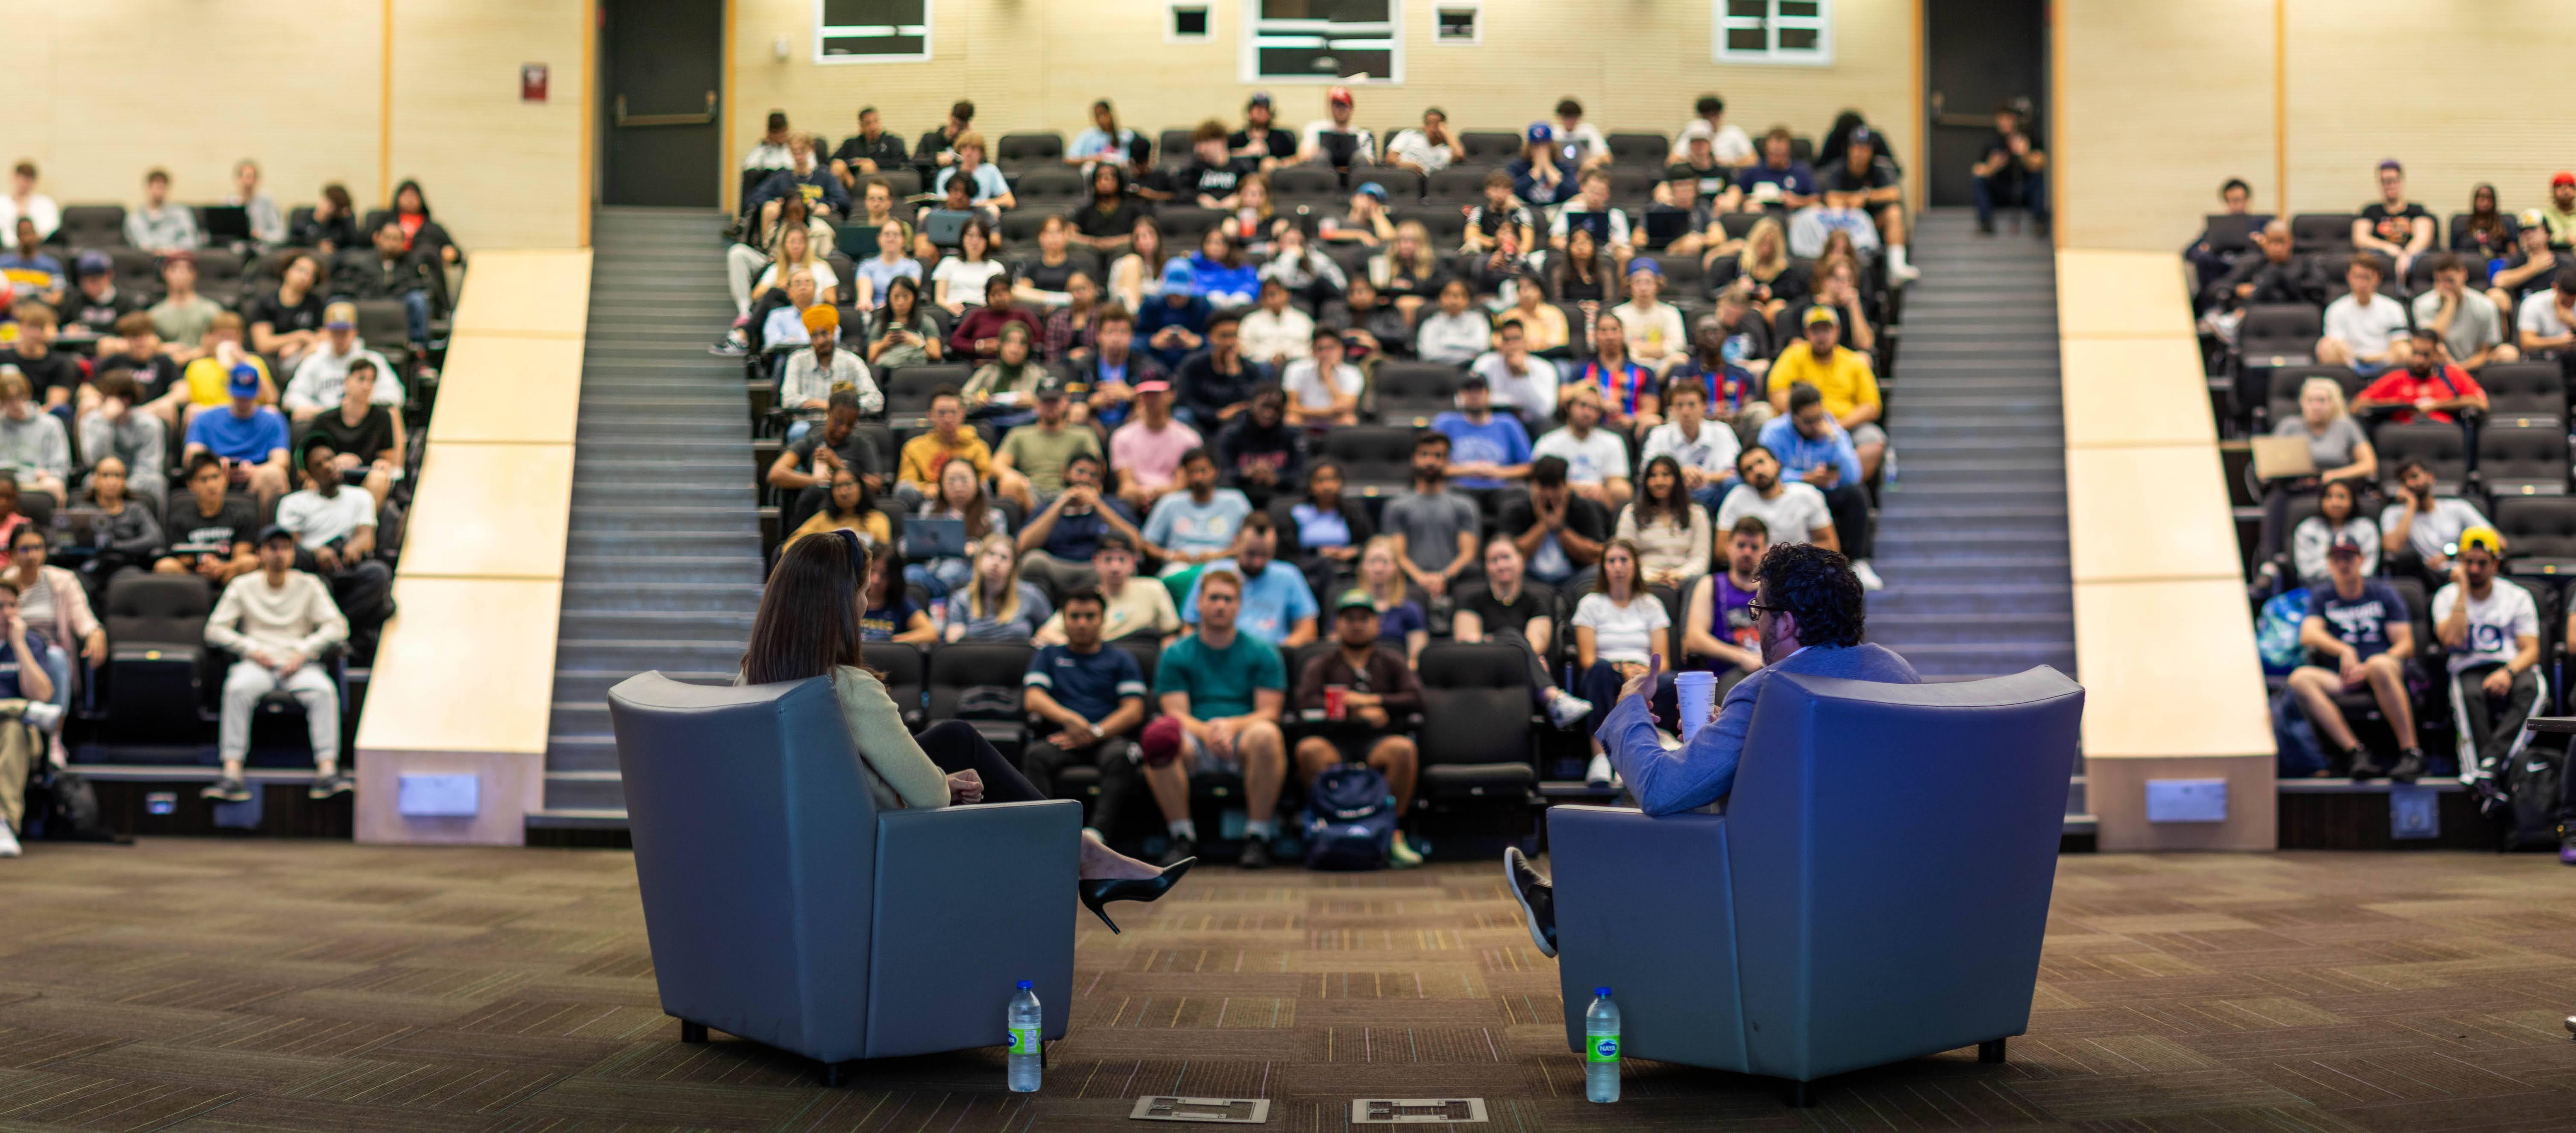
2484	539
1821	314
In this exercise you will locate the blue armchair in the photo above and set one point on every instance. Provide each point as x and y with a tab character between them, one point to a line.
783	907
1875	891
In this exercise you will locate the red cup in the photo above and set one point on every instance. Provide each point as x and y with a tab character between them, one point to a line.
1333	701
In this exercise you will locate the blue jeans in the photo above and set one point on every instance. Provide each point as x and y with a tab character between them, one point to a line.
1709	496
416	313
2034	196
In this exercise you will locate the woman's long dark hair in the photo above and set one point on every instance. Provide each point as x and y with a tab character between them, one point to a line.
911	307
809	616
1676	503
867	499
2490	218
414	186
1117	194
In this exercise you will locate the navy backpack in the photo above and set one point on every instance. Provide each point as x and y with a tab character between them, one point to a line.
1350	819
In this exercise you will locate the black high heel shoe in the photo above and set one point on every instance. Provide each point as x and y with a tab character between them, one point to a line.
1099	892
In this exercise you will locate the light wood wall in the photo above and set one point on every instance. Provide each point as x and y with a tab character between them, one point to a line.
1634	64
110	88
2159	103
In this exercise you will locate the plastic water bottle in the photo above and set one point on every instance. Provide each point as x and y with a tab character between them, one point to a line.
1600	1049
1026	1058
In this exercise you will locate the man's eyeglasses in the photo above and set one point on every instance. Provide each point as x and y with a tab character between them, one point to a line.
1765	608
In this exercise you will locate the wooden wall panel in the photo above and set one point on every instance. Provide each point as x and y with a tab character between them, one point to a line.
2161	103
501	173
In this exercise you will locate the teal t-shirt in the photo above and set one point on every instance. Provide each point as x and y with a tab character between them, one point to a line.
1220	681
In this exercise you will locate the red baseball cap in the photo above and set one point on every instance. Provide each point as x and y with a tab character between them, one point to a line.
2562	178
1341	95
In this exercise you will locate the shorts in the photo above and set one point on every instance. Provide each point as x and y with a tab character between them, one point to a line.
1867	433
1200	760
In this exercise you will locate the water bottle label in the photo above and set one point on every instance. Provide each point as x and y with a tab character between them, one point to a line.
1024	1040
1603	1048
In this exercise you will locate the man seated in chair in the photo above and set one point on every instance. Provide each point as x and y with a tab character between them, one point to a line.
279	621
1809	611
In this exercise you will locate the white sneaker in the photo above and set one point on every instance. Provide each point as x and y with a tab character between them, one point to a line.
1565	709
8	842
1599	774
1868	578
1904	273
45	716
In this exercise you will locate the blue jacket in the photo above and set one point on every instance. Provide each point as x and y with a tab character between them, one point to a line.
1525	183
1797	454
1703	771
1157	313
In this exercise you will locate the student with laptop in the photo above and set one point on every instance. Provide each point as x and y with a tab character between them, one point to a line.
2336	450
1590	209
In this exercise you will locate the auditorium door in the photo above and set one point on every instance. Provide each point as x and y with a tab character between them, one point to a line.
1983	54
663	136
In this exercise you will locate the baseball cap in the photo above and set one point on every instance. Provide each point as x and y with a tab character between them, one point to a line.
1050	386
1698	131
2484	539
340	316
1156	386
821	317
1644	266
2344	546
1540	132
274	531
1354	599
1474	380
1816	315
245	380
1178	279
93	263
2562	177
2388	163
1861	134
1339	95
178	256
1259	98
1374	189
1160	742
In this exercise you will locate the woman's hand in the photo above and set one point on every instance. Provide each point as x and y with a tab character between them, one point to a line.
965	788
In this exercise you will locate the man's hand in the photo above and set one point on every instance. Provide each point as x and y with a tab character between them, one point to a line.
825	458
1373	716
2460	578
965	787
1077	733
1642	682
328	558
1220	738
288	663
1822	474
2498	682
1434	583
2349	667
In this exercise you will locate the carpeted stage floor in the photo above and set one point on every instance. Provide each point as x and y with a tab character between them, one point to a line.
203	984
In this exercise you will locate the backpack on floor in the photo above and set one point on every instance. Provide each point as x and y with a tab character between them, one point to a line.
2531	782
1350	819
61	807
2276	631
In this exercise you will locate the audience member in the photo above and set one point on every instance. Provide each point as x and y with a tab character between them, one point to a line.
937	147
1591	211
335	535
51	374
964	280
52	600
278	622
1454	332
1558	529
1332	139
115	429
2464	320
998	605
1259	451
331	227
1275	334
366	437
805	467
1580	141
288	322
1275	605
2393	226
890	614
1627	391
870	151
1655	337
960	498
1215	174
317	381
1500	214
1864	179
1506	608
1325	528
2235	198
1147	451
771	151
182	317
391	273
902	333
2486	232
2491	629
1702	449
33	448
1195	524
1671	533
2427	387
2419	529
1596	458
1719	631
948	438
1133	605
1842	377
1767	274
1791	511
160	226
1401	622
1488	449
849	507
1619	628
29	697
824	194
96	305
1779	182
1372	329
2357	634
2338	520
2013	167
979	338
2548	320
209	528
2364	329
1434	528
1729	141
1217	383
126	535
27	270
814	374
2272	274
1812	446
1114	367
1373	690
1260	138
1085	700
1221	272
1072	328
1309	275
2336	446
1176	326
1322	389
1221	692
24	201
1525	385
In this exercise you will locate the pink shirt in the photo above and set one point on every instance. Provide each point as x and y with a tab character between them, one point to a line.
1155	457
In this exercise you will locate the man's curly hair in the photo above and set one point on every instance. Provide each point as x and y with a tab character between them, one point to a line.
1818	588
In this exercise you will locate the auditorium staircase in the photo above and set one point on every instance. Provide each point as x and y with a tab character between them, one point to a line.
1972	527
663	570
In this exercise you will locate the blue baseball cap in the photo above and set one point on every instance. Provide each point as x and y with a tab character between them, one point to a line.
1643	266
1540	132
245	381
93	263
1178	279
1375	190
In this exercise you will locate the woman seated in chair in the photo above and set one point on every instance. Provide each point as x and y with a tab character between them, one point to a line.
808	626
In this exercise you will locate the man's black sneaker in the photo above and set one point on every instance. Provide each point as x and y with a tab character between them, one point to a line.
2364	768
1256	852
1537	897
226	791
1985	228
325	786
2410	766
1180	849
2492	801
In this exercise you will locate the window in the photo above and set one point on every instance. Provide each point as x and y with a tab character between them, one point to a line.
1458	25
1322	41
1188	23
1775	31
871	31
